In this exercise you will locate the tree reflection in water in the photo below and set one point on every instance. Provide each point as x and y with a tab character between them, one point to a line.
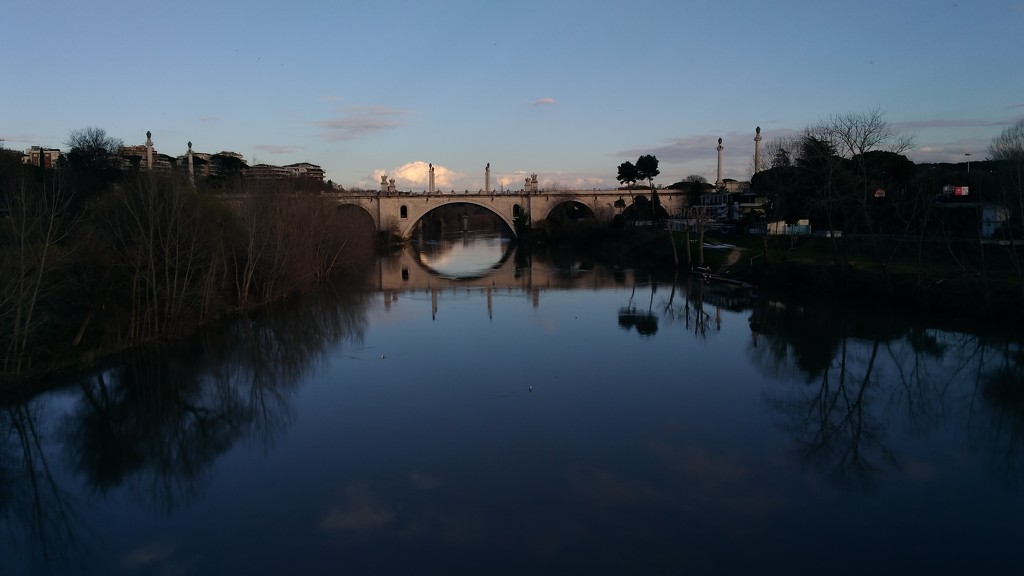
695	313
33	506
855	376
158	418
1001	385
645	322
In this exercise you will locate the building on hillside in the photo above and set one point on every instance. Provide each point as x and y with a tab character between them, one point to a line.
306	170
200	165
267	172
48	157
145	157
749	203
716	205
138	158
224	163
725	205
303	177
730	185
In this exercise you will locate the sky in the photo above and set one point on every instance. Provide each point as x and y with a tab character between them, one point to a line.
565	89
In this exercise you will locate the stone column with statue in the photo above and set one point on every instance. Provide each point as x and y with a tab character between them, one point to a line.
757	150
718	181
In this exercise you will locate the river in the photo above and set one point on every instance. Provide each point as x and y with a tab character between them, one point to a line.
469	410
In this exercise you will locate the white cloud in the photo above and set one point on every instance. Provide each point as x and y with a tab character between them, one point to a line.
24	138
416	175
950	123
546	101
361	121
277	149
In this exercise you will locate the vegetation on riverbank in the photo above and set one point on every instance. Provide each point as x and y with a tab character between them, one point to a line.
94	258
967	282
927	237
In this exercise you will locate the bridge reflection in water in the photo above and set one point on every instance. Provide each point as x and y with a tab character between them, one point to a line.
459	269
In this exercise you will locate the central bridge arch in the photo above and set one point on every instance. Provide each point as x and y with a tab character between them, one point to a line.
413	211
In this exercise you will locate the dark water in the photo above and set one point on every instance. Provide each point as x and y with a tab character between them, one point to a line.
564	419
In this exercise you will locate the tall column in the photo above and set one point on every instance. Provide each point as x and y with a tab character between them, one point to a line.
149	150
191	168
757	151
487	178
430	180
718	181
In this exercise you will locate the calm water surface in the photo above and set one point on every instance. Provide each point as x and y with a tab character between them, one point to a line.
551	419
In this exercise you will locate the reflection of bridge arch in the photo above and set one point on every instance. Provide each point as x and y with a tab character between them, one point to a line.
403	272
507	249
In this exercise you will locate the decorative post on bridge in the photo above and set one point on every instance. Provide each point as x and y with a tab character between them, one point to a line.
718	182
757	151
487	179
149	151
430	180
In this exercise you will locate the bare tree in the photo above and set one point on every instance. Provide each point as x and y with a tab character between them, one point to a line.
162	246
847	139
1008	150
93	139
32	249
1009	145
779	152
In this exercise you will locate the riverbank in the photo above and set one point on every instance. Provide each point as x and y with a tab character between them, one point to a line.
959	284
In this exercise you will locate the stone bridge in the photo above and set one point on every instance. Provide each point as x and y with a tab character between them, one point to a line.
402	210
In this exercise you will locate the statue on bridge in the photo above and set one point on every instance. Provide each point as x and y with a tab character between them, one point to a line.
531	184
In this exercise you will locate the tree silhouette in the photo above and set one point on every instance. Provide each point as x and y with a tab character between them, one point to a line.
628	175
647	169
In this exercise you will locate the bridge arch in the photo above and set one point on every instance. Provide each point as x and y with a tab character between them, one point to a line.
568	209
355	216
411	213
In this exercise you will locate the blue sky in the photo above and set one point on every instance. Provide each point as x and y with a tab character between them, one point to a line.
566	89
